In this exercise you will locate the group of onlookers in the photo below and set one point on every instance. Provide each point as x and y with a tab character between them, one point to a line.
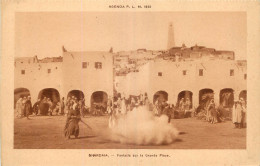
121	105
215	114
44	106
73	103
182	109
23	107
48	107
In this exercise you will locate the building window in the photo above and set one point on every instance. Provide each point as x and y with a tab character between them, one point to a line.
49	70
160	74
245	76
201	72
231	72
22	71
98	65
184	72
84	65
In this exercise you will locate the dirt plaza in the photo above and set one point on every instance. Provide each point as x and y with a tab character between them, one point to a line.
46	132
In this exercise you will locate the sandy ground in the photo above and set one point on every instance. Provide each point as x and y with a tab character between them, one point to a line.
46	132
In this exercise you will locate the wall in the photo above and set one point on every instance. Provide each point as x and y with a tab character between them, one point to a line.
67	75
89	79
37	78
216	76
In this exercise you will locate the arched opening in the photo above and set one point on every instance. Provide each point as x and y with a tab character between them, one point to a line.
205	95
20	92
243	94
161	96
50	93
76	93
186	96
226	98
98	102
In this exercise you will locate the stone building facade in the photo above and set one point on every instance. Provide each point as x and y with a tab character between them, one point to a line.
90	75
187	79
81	74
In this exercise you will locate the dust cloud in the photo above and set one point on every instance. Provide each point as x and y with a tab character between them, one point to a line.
141	127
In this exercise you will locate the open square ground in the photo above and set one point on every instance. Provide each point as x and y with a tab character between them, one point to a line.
46	132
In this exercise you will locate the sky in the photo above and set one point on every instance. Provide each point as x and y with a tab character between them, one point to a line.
44	33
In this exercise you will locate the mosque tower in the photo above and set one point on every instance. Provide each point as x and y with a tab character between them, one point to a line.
170	37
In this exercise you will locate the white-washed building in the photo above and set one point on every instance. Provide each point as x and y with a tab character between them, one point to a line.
81	74
187	79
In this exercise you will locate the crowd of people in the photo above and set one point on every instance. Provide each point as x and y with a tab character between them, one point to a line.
121	105
118	105
182	109
73	103
43	106
215	114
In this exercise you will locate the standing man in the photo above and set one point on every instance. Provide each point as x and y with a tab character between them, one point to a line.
146	102
50	106
167	111
36	107
181	104
243	103
208	111
119	104
28	107
156	107
132	103
62	106
81	106
123	106
213	113
19	107
141	99
109	105
237	114
72	123
23	106
187	107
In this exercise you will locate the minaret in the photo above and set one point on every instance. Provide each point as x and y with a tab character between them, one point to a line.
170	37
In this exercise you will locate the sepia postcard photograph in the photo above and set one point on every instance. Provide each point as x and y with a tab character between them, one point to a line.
128	78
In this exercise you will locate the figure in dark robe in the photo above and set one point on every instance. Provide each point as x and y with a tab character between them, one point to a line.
82	106
72	123
28	107
36	107
167	111
62	106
